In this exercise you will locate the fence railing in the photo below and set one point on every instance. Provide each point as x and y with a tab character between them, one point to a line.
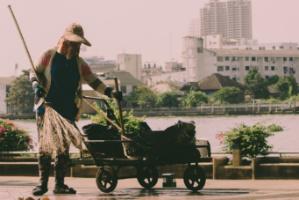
249	108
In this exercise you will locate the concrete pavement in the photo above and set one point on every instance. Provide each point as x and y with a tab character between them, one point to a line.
12	187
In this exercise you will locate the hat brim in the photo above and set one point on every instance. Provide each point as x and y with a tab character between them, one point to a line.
76	38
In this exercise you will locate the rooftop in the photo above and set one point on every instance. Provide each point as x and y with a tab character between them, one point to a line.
245	52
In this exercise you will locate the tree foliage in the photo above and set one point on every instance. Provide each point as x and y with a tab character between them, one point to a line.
194	98
168	99
142	97
256	84
229	95
20	96
287	87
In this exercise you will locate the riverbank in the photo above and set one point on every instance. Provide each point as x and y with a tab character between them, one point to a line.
218	110
203	110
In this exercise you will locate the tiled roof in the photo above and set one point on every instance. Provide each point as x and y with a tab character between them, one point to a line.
124	77
216	82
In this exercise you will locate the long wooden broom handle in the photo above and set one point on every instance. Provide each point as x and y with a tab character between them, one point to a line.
119	108
23	40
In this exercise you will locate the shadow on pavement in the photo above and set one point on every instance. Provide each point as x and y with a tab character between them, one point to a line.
131	193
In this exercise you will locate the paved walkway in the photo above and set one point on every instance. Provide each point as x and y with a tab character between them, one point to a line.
11	188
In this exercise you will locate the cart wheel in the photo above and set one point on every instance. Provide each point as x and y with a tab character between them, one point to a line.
147	176
106	179
194	178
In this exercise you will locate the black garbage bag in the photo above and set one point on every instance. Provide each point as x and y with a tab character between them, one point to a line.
176	142
101	132
141	145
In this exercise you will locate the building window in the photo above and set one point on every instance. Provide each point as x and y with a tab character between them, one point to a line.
266	68
246	68
226	58
285	69
253	58
246	58
266	59
267	77
219	68
199	50
219	58
272	68
234	69
291	59
233	58
285	59
226	68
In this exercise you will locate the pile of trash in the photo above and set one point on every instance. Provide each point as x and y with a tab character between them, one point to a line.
175	142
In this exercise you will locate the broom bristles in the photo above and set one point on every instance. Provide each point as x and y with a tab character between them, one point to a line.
57	133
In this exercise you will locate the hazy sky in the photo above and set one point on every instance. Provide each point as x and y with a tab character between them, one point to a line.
153	28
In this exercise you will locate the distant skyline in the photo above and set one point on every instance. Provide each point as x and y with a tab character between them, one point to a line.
153	28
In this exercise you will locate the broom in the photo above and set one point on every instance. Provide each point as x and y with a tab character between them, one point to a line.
119	126
56	133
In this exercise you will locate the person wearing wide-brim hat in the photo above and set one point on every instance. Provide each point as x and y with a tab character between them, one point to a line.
58	98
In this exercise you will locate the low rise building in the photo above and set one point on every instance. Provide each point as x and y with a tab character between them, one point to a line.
5	83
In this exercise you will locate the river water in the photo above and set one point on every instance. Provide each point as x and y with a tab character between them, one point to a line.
208	127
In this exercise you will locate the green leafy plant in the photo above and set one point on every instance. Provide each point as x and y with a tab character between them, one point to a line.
251	140
229	95
12	138
131	122
168	99
274	128
194	98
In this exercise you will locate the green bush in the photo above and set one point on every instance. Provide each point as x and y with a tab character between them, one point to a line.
12	138
194	98
251	140
274	128
168	99
132	124
229	95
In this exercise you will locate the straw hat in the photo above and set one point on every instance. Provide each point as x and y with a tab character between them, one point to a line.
75	33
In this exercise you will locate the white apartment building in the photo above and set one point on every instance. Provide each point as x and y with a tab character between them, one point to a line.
131	63
231	18
219	42
235	63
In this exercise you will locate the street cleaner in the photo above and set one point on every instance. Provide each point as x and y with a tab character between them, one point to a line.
57	82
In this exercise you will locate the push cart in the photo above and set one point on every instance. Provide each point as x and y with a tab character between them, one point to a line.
109	163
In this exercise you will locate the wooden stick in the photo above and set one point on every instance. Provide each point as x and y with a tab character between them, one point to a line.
119	108
23	40
99	111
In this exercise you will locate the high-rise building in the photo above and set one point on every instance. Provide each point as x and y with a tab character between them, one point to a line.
231	19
